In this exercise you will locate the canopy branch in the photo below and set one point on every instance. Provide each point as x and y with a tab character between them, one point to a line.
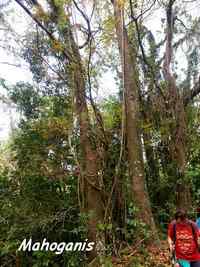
50	35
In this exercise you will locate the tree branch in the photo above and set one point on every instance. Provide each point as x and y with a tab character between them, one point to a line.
135	19
11	64
145	11
192	93
182	23
89	33
50	35
169	36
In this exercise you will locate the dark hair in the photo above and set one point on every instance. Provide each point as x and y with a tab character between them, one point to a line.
181	214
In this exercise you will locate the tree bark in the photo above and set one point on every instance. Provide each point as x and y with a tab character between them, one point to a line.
92	188
89	160
176	114
133	138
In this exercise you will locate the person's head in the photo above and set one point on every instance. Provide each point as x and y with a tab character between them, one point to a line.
180	215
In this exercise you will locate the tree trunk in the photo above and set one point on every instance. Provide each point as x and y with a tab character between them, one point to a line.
92	188
133	138
176	114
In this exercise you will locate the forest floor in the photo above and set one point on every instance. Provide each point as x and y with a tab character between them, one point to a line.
152	256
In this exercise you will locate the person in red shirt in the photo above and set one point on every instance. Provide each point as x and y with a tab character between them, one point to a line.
183	238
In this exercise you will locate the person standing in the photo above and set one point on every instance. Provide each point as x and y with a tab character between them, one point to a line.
183	240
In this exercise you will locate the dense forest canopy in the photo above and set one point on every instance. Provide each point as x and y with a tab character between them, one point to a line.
106	146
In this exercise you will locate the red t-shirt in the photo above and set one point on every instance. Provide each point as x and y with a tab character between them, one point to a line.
186	241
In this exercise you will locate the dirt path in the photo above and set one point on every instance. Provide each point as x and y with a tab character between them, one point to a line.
144	257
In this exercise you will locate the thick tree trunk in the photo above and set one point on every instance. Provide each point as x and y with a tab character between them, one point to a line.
134	147
176	114
183	192
91	189
183	196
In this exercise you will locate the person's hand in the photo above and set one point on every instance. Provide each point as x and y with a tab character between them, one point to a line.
171	247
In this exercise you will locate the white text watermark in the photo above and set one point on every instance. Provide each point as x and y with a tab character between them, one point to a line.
58	248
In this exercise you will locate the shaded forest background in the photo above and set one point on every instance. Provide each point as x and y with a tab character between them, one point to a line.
113	169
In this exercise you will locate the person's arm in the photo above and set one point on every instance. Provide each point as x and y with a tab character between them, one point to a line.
170	237
171	243
196	230
196	235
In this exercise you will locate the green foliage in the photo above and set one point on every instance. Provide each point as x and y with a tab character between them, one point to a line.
26	98
40	166
30	211
134	225
109	30
39	173
112	113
